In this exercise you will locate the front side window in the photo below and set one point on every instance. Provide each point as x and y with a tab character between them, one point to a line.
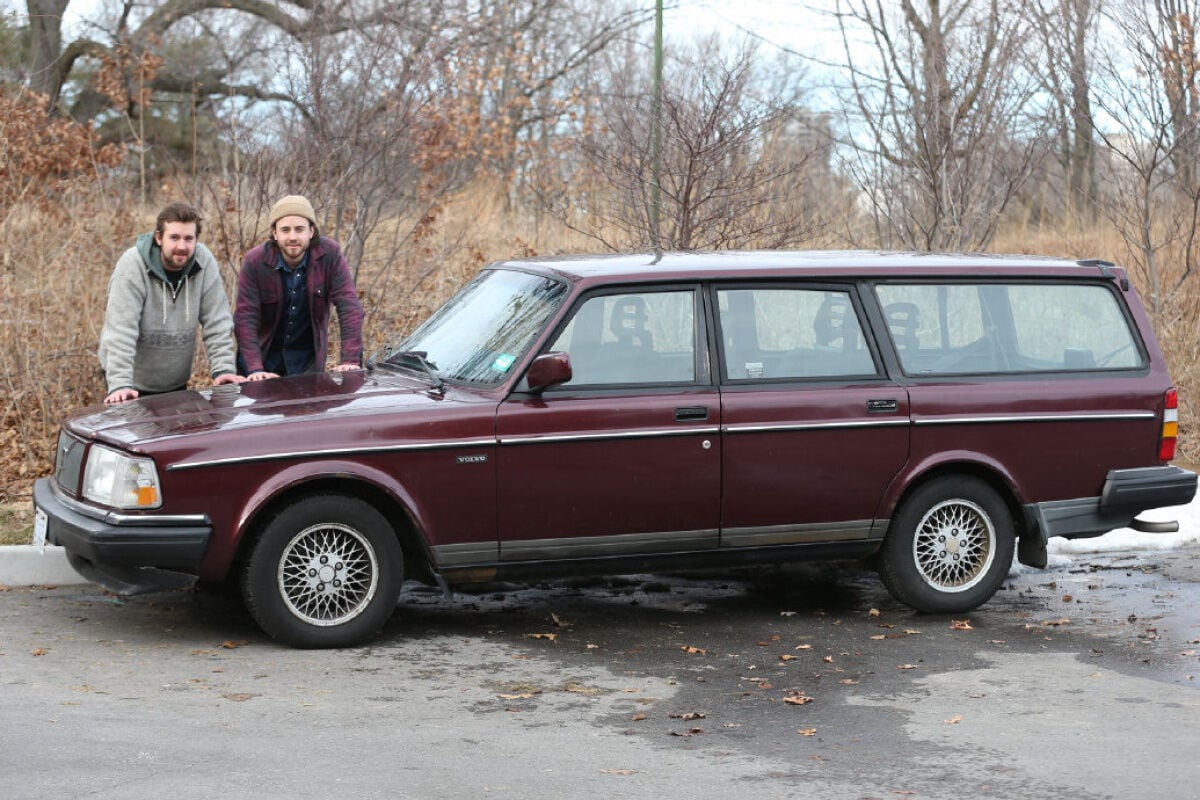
941	329
477	336
632	338
783	333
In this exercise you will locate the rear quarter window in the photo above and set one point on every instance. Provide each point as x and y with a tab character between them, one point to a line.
941	329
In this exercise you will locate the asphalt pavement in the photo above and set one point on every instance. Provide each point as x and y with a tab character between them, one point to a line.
1078	682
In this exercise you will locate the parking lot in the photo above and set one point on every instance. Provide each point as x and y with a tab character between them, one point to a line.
1076	682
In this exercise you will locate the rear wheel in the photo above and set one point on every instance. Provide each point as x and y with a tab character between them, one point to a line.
326	572
949	547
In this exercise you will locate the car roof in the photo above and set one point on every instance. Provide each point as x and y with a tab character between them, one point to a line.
758	264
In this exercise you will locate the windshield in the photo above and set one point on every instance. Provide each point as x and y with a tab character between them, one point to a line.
483	330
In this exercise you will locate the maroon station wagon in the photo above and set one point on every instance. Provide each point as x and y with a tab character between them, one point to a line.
627	414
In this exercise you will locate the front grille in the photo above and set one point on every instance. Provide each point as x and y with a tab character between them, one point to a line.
68	462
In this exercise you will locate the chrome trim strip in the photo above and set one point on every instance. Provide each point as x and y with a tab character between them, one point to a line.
801	534
538	438
1080	417
458	554
808	426
118	518
622	544
333	451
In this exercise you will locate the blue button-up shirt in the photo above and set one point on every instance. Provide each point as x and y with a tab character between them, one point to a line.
292	350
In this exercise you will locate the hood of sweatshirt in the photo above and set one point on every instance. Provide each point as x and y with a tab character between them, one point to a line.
151	255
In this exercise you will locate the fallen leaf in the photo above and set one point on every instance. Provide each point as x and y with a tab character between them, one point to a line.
638	717
610	771
797	698
695	651
848	682
558	622
957	718
786	657
229	644
521	696
550	636
731	725
787	613
807	731
879	637
827	659
39	651
803	647
1055	622
688	716
688	732
576	688
874	612
961	624
912	632
906	666
1066	598
238	697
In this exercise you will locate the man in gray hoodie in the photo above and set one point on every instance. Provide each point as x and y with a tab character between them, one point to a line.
159	291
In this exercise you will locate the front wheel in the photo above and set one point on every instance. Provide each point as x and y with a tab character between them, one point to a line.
949	547
326	572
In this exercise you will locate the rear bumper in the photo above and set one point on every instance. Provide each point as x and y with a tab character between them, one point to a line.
125	540
1127	493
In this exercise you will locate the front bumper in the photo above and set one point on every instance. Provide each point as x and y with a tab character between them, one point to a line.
121	540
1127	493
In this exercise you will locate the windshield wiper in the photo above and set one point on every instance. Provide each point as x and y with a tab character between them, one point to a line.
427	367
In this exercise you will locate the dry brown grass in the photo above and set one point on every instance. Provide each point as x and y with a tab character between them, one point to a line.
54	270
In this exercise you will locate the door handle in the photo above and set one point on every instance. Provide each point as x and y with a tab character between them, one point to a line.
691	414
883	406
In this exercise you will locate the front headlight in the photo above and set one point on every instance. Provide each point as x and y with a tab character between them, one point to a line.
112	478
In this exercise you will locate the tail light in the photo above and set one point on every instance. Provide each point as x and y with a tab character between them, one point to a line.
1170	426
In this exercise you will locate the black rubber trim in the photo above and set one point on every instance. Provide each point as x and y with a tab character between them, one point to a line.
1147	487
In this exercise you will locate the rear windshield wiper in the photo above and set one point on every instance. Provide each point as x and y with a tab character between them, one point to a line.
417	358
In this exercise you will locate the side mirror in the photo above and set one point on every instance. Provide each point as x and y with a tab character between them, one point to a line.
548	369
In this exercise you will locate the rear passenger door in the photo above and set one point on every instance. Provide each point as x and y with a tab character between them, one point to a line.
813	430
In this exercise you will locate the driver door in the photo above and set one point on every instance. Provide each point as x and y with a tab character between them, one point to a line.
625	458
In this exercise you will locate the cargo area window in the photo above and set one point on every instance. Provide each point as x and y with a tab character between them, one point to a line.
784	333
941	329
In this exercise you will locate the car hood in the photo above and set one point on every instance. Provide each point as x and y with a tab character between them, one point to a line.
277	407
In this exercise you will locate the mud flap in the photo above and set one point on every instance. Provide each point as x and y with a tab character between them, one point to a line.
1031	547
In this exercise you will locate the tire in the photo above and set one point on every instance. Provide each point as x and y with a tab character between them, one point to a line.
949	548
326	572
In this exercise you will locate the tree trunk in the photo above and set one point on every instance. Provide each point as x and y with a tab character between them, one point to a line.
45	46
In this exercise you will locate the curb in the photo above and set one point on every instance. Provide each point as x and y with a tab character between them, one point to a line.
26	565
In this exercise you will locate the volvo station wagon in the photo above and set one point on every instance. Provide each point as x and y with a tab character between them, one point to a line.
935	415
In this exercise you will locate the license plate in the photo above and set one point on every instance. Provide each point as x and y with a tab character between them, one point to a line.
39	529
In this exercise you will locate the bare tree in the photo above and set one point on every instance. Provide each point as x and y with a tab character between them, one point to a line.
939	145
1149	89
722	184
1067	32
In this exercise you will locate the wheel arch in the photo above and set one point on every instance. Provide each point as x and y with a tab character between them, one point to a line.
989	473
395	510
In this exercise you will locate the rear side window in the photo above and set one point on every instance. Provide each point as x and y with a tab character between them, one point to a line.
941	329
791	333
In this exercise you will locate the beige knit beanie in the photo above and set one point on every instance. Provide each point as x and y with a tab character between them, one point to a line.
293	205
